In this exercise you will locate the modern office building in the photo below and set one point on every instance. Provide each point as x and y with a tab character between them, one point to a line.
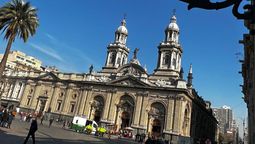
224	115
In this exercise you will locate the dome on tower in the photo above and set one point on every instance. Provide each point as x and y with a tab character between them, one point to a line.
173	25
122	29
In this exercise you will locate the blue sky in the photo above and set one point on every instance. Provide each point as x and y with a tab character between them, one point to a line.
75	33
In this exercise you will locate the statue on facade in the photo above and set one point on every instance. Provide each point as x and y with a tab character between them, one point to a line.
135	53
91	69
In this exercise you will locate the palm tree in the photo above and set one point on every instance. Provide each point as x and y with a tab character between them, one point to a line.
17	18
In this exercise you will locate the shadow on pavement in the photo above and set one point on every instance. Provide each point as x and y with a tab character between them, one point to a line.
6	138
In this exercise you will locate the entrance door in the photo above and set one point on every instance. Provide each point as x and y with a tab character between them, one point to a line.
97	116
125	117
42	106
156	127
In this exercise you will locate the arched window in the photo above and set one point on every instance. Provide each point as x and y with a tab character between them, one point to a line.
117	37
186	120
174	36
166	59
174	60
123	60
118	61
112	58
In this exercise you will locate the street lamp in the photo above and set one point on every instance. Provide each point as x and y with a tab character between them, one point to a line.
206	4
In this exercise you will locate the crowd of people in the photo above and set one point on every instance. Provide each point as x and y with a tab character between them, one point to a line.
6	117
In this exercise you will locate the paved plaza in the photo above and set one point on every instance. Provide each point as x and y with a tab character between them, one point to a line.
52	135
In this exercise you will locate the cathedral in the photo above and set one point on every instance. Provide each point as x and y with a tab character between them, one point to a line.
123	93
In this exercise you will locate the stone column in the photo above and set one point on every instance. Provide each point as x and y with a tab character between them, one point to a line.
86	106
11	90
78	102
118	118
144	112
137	109
56	97
66	105
21	92
37	90
177	116
53	97
81	101
111	104
169	114
24	96
107	105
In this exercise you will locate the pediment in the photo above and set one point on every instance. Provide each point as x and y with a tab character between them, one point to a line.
129	81
48	76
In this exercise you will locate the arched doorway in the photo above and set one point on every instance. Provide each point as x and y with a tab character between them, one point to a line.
156	119
125	118
98	108
127	105
156	126
186	119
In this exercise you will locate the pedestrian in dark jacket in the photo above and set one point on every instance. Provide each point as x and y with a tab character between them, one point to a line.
51	121
32	130
10	118
42	120
4	118
149	141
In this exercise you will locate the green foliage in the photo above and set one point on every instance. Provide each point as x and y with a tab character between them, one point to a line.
18	18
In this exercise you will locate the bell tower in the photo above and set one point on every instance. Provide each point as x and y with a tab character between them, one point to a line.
169	53
117	52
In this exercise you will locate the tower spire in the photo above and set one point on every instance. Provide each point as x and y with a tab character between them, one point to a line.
190	77
117	52
170	52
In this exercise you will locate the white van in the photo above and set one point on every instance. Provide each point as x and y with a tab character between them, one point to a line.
79	124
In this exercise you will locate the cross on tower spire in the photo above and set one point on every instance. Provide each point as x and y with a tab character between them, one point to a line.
174	11
125	16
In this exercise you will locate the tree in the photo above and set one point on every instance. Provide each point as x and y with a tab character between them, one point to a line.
17	18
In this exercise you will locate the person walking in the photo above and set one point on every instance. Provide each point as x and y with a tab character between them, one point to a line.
64	124
32	130
9	121
42	120
50	122
4	119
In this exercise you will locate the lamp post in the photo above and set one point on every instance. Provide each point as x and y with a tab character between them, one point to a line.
249	14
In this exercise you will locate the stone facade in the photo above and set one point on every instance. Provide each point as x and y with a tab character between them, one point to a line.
248	87
123	94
